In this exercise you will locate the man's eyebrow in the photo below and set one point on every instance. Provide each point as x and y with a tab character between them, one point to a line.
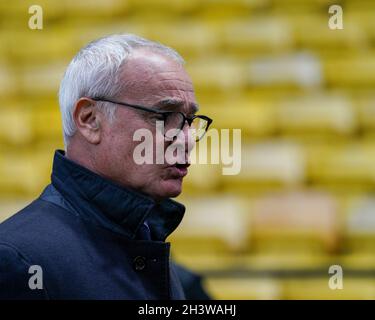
172	104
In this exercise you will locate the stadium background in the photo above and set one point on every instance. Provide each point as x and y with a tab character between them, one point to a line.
302	94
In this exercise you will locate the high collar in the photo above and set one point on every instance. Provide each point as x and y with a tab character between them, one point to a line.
103	201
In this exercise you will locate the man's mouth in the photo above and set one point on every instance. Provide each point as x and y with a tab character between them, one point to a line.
180	170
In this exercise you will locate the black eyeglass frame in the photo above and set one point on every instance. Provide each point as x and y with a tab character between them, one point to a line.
165	114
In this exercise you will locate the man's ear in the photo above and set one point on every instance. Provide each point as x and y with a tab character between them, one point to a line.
88	120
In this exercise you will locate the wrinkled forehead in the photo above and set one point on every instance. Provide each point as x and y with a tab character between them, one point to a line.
150	78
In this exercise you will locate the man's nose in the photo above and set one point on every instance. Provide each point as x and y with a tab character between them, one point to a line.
185	136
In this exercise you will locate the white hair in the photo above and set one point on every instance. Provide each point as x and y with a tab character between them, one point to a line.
94	72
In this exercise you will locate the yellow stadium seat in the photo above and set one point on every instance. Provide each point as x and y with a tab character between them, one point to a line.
43	79
243	288
213	224
91	32
283	261
217	73
287	71
357	71
362	16
47	123
269	162
189	38
39	47
168	8
202	178
298	221
100	8
366	112
296	6
350	162
359	260
221	10
317	113
201	261
24	173
16	126
312	32
318	289
254	117
291	289
360	227
8	82
257	35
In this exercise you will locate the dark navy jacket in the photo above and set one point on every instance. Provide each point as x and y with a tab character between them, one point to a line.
85	233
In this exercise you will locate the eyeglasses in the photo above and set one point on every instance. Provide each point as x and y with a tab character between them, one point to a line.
174	121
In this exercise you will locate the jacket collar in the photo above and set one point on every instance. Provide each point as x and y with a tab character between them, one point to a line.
111	205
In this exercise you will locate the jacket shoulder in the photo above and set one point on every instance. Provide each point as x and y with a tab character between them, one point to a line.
38	226
34	216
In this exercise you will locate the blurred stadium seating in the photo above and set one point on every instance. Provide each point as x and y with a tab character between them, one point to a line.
302	94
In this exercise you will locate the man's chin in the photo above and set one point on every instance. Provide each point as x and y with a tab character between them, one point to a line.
170	188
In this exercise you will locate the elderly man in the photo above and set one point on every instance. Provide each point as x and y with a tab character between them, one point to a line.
98	230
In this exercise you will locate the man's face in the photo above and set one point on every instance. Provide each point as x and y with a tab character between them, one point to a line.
150	80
